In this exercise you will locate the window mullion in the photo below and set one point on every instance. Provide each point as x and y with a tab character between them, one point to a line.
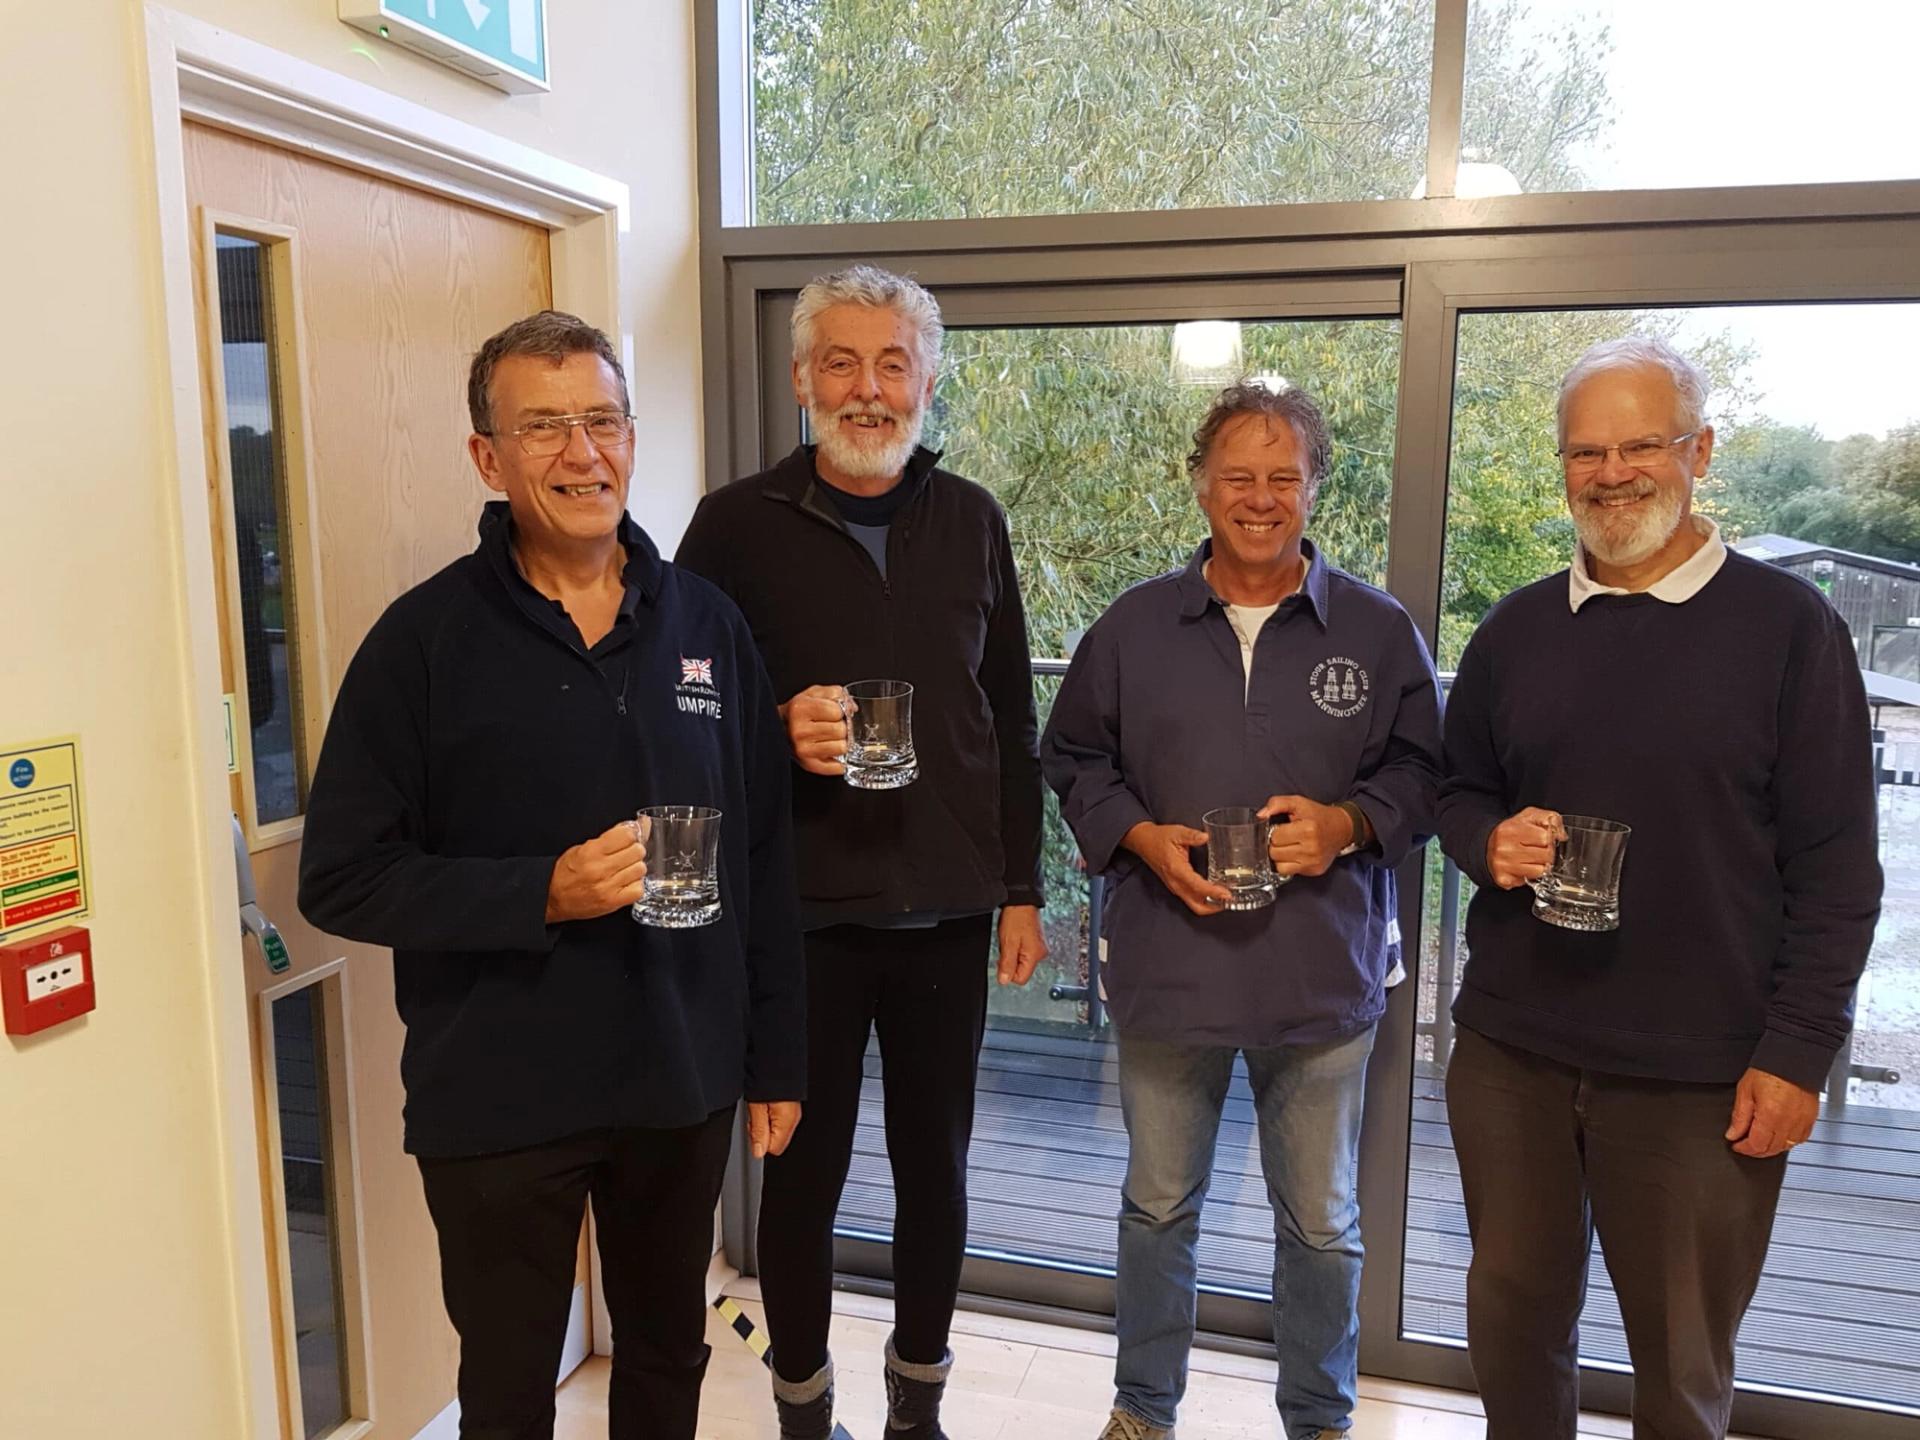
1448	98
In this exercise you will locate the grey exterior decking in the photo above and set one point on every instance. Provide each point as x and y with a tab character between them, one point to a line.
1838	1310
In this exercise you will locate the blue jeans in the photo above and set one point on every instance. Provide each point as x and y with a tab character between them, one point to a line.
1307	1099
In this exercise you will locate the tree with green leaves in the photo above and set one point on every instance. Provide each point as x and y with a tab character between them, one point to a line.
1860	493
935	109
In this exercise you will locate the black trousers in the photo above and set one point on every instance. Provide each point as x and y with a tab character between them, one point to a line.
926	993
509	1228
1548	1155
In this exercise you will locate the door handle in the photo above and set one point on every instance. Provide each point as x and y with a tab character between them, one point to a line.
253	920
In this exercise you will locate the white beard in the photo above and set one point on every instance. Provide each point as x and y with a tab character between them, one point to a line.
1627	537
859	455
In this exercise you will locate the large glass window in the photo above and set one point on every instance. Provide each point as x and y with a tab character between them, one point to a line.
1083	435
1816	468
938	109
1649	94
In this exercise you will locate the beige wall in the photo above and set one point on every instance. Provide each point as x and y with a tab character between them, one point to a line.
120	1306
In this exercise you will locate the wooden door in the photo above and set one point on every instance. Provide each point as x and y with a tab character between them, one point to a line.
338	313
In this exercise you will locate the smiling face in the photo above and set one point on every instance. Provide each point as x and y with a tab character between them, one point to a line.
573	499
865	391
1627	514
1259	496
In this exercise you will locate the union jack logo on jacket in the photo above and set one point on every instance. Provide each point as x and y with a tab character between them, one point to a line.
696	672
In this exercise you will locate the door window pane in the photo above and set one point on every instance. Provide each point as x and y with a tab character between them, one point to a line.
1082	433
312	1236
1648	94
939	109
1815	468
269	700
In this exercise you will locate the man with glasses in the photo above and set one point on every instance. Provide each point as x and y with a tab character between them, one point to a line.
857	558
1260	675
1647	1082
474	808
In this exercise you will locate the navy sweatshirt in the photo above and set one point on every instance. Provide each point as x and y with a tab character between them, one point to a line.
1730	732
474	739
1157	720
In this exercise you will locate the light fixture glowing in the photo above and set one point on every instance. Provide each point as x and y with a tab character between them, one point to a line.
1207	352
1477	180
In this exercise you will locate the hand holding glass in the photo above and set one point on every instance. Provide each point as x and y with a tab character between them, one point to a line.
1238	857
879	716
1581	889
682	885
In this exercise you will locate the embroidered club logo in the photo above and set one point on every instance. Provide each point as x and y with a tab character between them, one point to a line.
1339	686
696	672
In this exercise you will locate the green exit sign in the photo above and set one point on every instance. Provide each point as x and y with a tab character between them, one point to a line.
503	42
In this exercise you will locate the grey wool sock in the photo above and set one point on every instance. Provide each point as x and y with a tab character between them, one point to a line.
932	1374
803	1392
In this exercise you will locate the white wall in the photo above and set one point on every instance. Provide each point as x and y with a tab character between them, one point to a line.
119	1301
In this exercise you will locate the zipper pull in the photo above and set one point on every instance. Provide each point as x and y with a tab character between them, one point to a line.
620	704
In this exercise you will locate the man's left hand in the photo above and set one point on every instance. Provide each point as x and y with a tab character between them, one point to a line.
1770	1115
1022	946
1310	839
770	1125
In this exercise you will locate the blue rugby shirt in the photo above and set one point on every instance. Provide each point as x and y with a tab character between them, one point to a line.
1157	720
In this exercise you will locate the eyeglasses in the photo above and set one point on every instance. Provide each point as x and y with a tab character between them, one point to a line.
550	434
1584	459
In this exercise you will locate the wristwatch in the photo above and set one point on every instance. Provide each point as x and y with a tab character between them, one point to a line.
1362	828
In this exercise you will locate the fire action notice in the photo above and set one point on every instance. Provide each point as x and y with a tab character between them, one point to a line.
43	852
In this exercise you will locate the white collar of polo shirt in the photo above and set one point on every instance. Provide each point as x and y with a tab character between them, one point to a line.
1677	586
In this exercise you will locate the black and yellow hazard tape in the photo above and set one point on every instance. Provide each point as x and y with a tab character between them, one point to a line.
750	1335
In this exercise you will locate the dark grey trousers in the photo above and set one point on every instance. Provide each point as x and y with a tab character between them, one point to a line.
1549	1154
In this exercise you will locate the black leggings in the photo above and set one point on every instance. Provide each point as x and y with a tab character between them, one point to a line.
926	991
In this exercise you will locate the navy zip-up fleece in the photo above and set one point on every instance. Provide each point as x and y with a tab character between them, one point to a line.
1730	732
474	739
1157	720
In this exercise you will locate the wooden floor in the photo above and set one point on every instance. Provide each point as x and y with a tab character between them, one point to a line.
1838	1309
1017	1380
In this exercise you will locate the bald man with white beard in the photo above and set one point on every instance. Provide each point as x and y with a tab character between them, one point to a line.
1647	1082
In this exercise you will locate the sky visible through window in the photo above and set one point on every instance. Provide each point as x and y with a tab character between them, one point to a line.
1764	92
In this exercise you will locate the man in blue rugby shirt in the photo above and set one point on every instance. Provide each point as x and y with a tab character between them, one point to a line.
1259	673
474	809
1647	1082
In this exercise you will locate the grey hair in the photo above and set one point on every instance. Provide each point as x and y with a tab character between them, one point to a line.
1638	352
1250	397
877	289
547	335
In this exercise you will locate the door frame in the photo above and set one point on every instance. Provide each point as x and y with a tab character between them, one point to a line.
198	71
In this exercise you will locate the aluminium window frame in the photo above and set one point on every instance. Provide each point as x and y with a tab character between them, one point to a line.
1849	242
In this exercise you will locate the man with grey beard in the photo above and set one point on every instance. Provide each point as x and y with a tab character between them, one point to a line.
1646	1082
857	558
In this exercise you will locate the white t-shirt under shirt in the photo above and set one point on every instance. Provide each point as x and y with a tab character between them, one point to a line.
1247	620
